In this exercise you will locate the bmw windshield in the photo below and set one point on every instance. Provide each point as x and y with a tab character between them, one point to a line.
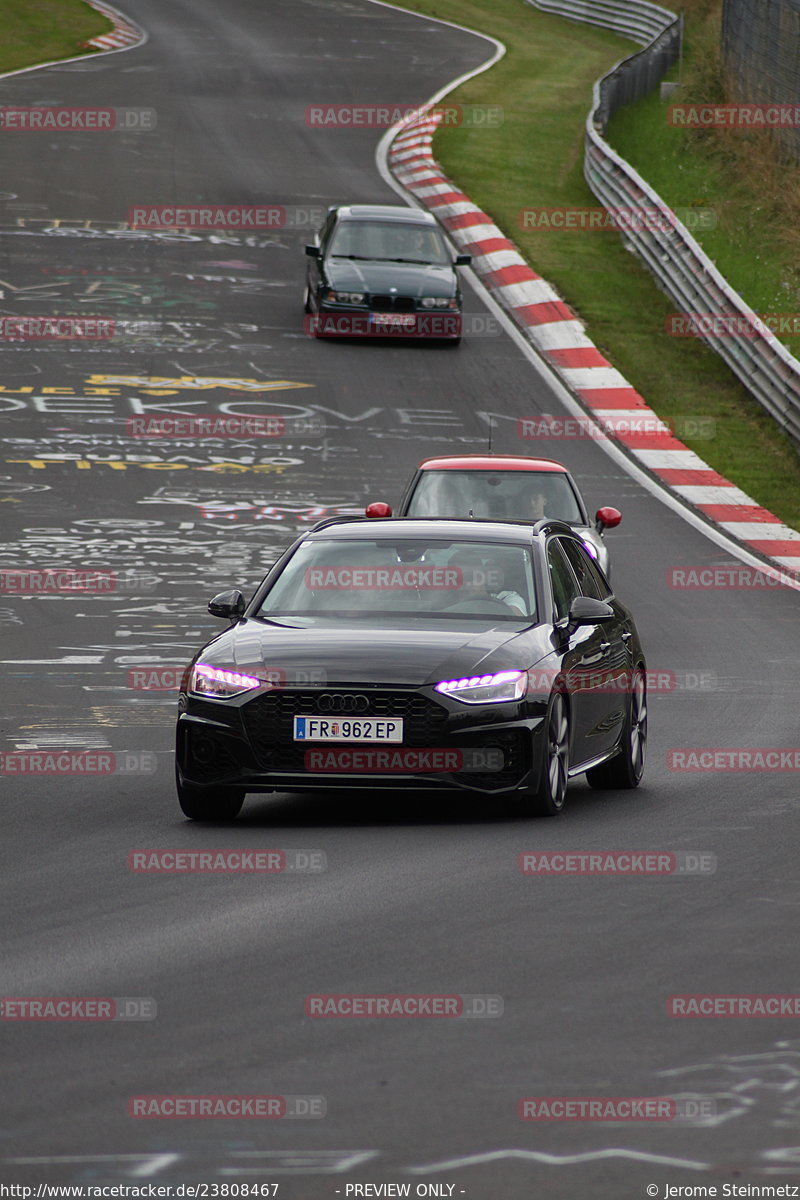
378	578
384	241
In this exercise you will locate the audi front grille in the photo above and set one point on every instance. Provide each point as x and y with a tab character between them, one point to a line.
269	720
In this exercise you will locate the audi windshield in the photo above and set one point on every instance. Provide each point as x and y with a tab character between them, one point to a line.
363	578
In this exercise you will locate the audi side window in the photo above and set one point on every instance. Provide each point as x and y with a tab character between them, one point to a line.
606	590
565	588
591	579
579	561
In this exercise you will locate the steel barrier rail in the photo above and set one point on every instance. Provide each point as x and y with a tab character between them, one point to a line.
767	369
635	19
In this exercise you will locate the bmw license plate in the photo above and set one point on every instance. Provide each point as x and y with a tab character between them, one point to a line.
348	729
398	320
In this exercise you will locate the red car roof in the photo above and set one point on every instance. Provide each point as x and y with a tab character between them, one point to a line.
490	462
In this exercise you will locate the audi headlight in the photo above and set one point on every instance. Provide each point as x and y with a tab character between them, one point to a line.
346	297
486	689
220	684
437	302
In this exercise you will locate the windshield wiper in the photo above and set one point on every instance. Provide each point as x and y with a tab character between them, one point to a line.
423	262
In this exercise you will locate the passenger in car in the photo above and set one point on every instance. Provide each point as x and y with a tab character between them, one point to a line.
476	579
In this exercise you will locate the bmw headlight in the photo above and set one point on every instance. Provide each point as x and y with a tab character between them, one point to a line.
346	297
220	684
437	302
486	689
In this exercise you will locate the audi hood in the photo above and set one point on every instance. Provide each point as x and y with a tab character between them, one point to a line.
308	650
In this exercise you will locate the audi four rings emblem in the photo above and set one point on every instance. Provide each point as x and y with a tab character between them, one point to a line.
343	704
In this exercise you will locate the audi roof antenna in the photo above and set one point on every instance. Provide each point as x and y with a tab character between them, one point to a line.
490	432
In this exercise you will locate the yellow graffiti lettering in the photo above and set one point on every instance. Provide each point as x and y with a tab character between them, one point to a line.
195	383
82	464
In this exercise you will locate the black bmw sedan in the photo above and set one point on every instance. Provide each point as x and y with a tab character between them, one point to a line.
461	655
383	270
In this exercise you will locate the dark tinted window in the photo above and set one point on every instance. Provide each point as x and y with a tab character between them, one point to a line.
589	578
563	582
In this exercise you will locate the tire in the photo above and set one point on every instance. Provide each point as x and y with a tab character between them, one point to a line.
626	768
548	797
208	804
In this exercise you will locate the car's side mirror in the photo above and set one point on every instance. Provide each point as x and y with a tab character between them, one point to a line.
230	605
312	251
607	518
463	260
378	509
585	610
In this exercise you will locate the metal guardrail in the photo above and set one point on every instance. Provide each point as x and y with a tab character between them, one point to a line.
635	19
763	364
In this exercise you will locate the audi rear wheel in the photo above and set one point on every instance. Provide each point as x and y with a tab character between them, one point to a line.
626	768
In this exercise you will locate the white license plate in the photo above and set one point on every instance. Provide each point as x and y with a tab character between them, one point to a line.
403	320
348	729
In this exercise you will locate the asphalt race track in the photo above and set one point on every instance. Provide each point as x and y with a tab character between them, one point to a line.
419	895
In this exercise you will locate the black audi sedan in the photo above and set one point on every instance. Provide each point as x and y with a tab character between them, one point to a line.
483	657
383	270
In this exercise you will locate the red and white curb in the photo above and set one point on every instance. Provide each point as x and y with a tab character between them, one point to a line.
559	336
123	36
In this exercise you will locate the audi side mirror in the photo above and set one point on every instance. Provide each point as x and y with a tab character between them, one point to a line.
229	605
463	260
585	610
312	251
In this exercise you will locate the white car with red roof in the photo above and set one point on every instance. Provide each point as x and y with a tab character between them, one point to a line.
502	487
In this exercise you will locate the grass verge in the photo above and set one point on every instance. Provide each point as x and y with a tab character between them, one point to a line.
544	84
39	31
754	195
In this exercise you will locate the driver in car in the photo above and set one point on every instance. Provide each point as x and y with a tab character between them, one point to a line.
475	584
535	504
